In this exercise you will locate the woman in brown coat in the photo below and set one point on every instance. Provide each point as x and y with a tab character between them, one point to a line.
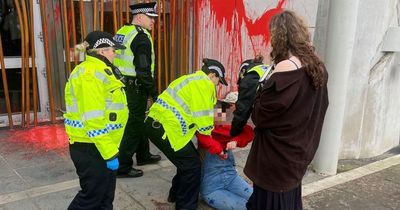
288	114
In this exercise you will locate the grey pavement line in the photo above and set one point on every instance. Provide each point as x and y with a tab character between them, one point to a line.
38	191
344	177
14	170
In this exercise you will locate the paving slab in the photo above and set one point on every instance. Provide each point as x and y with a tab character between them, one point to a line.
54	201
150	190
371	192
376	188
20	205
12	183
6	170
334	199
46	174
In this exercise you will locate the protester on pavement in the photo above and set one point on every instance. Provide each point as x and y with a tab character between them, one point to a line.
221	185
136	63
95	121
288	115
184	108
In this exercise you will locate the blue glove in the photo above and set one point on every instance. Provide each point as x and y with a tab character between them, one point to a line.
113	164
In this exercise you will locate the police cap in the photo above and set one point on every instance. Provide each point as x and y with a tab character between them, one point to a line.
149	9
217	67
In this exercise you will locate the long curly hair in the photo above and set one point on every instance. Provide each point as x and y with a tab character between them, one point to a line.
289	33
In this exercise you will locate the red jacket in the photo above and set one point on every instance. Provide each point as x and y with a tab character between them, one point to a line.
220	136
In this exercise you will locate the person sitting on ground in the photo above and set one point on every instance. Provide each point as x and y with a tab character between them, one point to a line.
221	186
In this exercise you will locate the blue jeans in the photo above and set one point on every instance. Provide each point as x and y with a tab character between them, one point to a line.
221	186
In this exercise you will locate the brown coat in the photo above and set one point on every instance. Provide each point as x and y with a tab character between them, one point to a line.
288	114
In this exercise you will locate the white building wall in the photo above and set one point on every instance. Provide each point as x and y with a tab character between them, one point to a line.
371	123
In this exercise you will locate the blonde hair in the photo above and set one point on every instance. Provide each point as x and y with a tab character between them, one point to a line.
80	48
258	59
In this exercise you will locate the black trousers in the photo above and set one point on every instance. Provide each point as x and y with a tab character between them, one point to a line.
186	183
133	140
96	180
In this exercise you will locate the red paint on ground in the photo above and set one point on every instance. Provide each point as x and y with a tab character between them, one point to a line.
39	140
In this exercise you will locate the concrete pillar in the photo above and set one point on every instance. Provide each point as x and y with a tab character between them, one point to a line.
341	31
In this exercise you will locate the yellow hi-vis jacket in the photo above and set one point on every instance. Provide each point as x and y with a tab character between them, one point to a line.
96	107
263	71
124	58
260	70
186	106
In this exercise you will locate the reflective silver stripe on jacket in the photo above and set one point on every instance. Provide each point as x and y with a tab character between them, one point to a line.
74	106
179	100
125	57
127	71
92	114
101	77
116	106
127	38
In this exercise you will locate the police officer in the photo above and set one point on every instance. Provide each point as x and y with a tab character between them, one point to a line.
95	120
184	108
136	63
251	73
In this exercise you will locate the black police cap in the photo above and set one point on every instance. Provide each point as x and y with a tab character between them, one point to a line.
217	67
150	9
101	39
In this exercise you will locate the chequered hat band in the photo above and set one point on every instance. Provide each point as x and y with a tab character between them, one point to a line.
143	10
103	41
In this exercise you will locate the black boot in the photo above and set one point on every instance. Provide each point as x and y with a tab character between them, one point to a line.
132	173
151	160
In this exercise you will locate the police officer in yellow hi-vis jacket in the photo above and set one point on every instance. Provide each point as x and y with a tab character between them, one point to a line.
184	108
136	63
95	121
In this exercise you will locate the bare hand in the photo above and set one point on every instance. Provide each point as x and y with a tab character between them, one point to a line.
231	145
223	155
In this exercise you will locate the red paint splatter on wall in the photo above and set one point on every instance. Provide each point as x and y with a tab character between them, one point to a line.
38	140
233	31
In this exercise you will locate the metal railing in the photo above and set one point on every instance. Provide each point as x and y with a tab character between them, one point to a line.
174	38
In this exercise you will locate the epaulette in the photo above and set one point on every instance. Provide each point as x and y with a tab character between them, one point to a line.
139	29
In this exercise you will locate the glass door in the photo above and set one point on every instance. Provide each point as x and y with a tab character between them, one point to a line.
10	29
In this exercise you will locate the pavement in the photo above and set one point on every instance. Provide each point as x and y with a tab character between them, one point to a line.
36	173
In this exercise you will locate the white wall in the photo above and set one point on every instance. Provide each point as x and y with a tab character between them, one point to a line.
371	122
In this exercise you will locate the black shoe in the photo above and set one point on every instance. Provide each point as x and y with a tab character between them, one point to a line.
131	173
152	159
